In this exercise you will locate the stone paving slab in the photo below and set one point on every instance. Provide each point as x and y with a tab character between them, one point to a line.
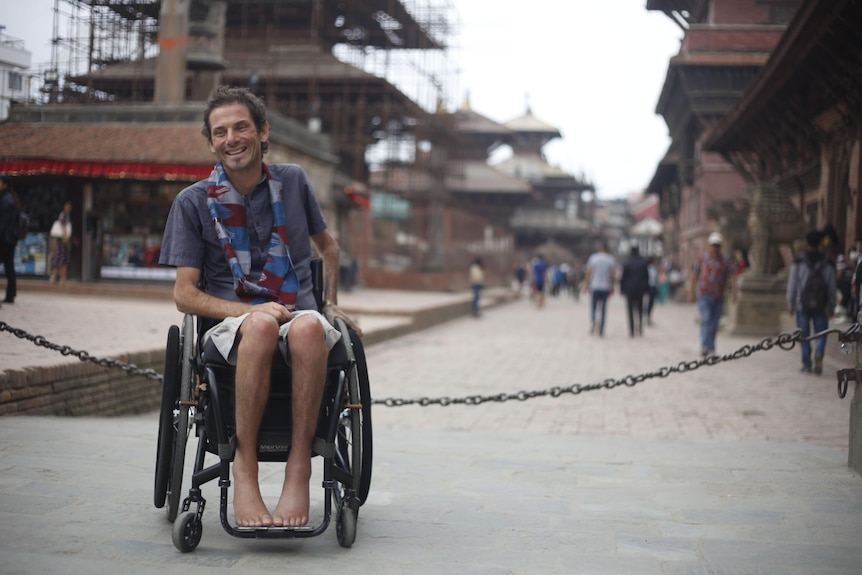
73	501
735	468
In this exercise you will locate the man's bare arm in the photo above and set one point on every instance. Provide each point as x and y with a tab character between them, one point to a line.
328	249
190	299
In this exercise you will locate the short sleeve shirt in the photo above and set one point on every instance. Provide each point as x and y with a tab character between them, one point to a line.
712	275
190	238
602	266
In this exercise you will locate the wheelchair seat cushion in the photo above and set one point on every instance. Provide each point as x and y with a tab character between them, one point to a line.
223	334
210	355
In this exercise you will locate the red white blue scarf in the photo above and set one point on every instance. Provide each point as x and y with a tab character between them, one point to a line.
278	280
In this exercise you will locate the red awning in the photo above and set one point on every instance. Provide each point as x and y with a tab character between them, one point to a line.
113	170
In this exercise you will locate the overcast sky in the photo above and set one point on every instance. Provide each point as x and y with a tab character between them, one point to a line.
592	69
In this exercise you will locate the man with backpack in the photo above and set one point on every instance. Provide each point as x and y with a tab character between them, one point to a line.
811	295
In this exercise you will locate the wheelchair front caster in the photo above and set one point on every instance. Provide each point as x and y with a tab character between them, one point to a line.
187	531
345	524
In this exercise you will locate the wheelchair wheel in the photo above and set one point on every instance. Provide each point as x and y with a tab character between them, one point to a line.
364	388
170	395
345	525
354	439
181	420
187	532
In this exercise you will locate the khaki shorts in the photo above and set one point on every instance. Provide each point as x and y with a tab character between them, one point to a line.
223	334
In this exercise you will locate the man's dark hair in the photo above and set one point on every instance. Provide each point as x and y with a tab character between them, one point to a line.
813	238
224	95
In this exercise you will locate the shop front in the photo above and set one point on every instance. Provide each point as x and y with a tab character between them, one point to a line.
117	226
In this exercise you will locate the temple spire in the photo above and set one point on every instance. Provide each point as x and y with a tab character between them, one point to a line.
466	107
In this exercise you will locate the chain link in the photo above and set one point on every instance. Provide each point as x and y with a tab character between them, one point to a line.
785	341
129	368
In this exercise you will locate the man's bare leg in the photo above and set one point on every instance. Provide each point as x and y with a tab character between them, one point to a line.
308	355
258	338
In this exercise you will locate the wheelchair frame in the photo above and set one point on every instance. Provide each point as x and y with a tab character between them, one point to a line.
194	397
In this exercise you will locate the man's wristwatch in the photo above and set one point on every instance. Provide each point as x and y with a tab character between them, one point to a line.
328	303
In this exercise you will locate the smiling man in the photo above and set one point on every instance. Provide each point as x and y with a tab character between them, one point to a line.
248	230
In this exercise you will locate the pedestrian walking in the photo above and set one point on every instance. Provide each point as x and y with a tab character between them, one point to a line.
540	274
9	236
520	275
712	273
811	295
61	233
634	285
477	281
652	294
599	282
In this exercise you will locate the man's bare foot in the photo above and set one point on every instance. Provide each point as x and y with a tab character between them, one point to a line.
249	509
292	508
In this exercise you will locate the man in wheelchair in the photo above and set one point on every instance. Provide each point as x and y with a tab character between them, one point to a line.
245	234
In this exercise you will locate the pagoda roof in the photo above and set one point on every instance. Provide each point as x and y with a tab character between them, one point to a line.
814	68
291	65
175	143
166	151
533	169
477	177
470	121
528	123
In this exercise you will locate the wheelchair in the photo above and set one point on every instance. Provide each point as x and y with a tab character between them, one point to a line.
197	394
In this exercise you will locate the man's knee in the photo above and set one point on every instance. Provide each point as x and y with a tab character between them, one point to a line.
260	328
307	333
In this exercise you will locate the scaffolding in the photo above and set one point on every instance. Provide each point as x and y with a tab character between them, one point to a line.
375	76
89	35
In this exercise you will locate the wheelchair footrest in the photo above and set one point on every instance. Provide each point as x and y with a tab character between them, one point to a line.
273	529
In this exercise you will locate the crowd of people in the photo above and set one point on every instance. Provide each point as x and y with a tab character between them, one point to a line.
835	293
597	277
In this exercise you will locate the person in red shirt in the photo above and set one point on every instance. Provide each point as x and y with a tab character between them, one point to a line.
712	273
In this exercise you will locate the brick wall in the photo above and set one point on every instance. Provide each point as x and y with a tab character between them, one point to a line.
82	388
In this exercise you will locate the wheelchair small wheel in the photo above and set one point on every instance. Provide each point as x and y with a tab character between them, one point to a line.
170	394
345	525
187	532
181	420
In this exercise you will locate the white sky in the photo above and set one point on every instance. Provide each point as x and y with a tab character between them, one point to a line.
592	69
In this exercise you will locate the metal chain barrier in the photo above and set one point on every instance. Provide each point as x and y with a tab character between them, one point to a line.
785	341
130	368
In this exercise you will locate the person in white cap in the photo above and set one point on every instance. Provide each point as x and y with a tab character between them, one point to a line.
712	272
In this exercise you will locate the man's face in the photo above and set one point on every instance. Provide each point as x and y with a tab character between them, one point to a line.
235	140
715	248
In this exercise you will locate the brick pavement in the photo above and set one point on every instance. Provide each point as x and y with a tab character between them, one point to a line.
520	347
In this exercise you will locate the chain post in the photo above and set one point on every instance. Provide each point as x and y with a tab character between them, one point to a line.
854	455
